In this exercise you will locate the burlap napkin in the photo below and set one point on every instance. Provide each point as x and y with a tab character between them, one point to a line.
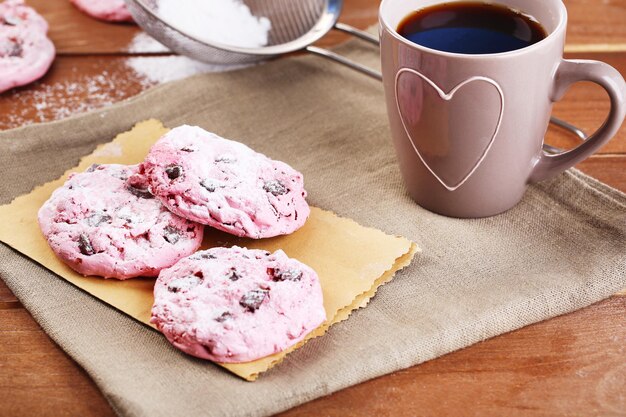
561	249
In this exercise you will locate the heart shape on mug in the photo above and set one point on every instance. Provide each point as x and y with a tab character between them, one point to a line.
461	171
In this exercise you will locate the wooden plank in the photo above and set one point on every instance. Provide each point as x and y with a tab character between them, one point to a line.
73	85
5	293
569	366
590	27
610	169
37	378
74	32
7	299
596	22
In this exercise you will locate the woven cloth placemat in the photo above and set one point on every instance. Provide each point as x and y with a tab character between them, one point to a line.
561	249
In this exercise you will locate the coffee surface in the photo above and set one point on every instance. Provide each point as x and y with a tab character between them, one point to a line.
471	28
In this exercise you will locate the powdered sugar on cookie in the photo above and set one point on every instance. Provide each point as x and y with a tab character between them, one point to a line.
106	222
237	305
225	184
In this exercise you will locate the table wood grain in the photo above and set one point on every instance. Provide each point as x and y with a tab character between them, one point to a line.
573	365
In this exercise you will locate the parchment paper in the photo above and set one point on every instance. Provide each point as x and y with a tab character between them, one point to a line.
352	261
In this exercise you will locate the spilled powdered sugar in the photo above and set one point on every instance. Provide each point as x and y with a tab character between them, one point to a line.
43	102
158	70
143	43
46	101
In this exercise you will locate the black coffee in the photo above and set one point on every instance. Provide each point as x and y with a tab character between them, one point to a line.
471	28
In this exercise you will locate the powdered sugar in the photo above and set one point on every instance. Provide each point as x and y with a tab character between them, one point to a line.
143	43
228	22
85	88
78	92
162	69
43	102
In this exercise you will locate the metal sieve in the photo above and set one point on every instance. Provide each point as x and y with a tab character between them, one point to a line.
296	25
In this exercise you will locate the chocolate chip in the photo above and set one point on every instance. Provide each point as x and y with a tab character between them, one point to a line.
140	192
272	206
84	245
203	255
252	300
211	185
127	217
92	168
120	175
288	275
233	275
171	234
225	159
97	219
208	185
185	149
183	284
174	171
223	317
16	49
275	187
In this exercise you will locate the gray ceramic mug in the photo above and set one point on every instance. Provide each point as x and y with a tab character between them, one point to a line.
468	129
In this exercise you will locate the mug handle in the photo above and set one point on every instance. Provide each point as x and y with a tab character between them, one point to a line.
568	73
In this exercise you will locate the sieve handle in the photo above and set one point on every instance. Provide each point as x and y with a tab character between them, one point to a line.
361	34
368	37
325	53
568	127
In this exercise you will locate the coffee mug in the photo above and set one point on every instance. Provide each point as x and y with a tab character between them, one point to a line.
468	129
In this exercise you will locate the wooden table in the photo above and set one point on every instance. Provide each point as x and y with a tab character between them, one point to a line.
570	365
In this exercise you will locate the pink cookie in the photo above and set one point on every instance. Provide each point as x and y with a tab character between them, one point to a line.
107	10
237	305
26	53
225	184
105	222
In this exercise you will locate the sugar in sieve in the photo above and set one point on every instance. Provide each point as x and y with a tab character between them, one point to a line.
296	25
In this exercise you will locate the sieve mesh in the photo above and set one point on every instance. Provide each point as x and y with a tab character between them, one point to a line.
295	25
